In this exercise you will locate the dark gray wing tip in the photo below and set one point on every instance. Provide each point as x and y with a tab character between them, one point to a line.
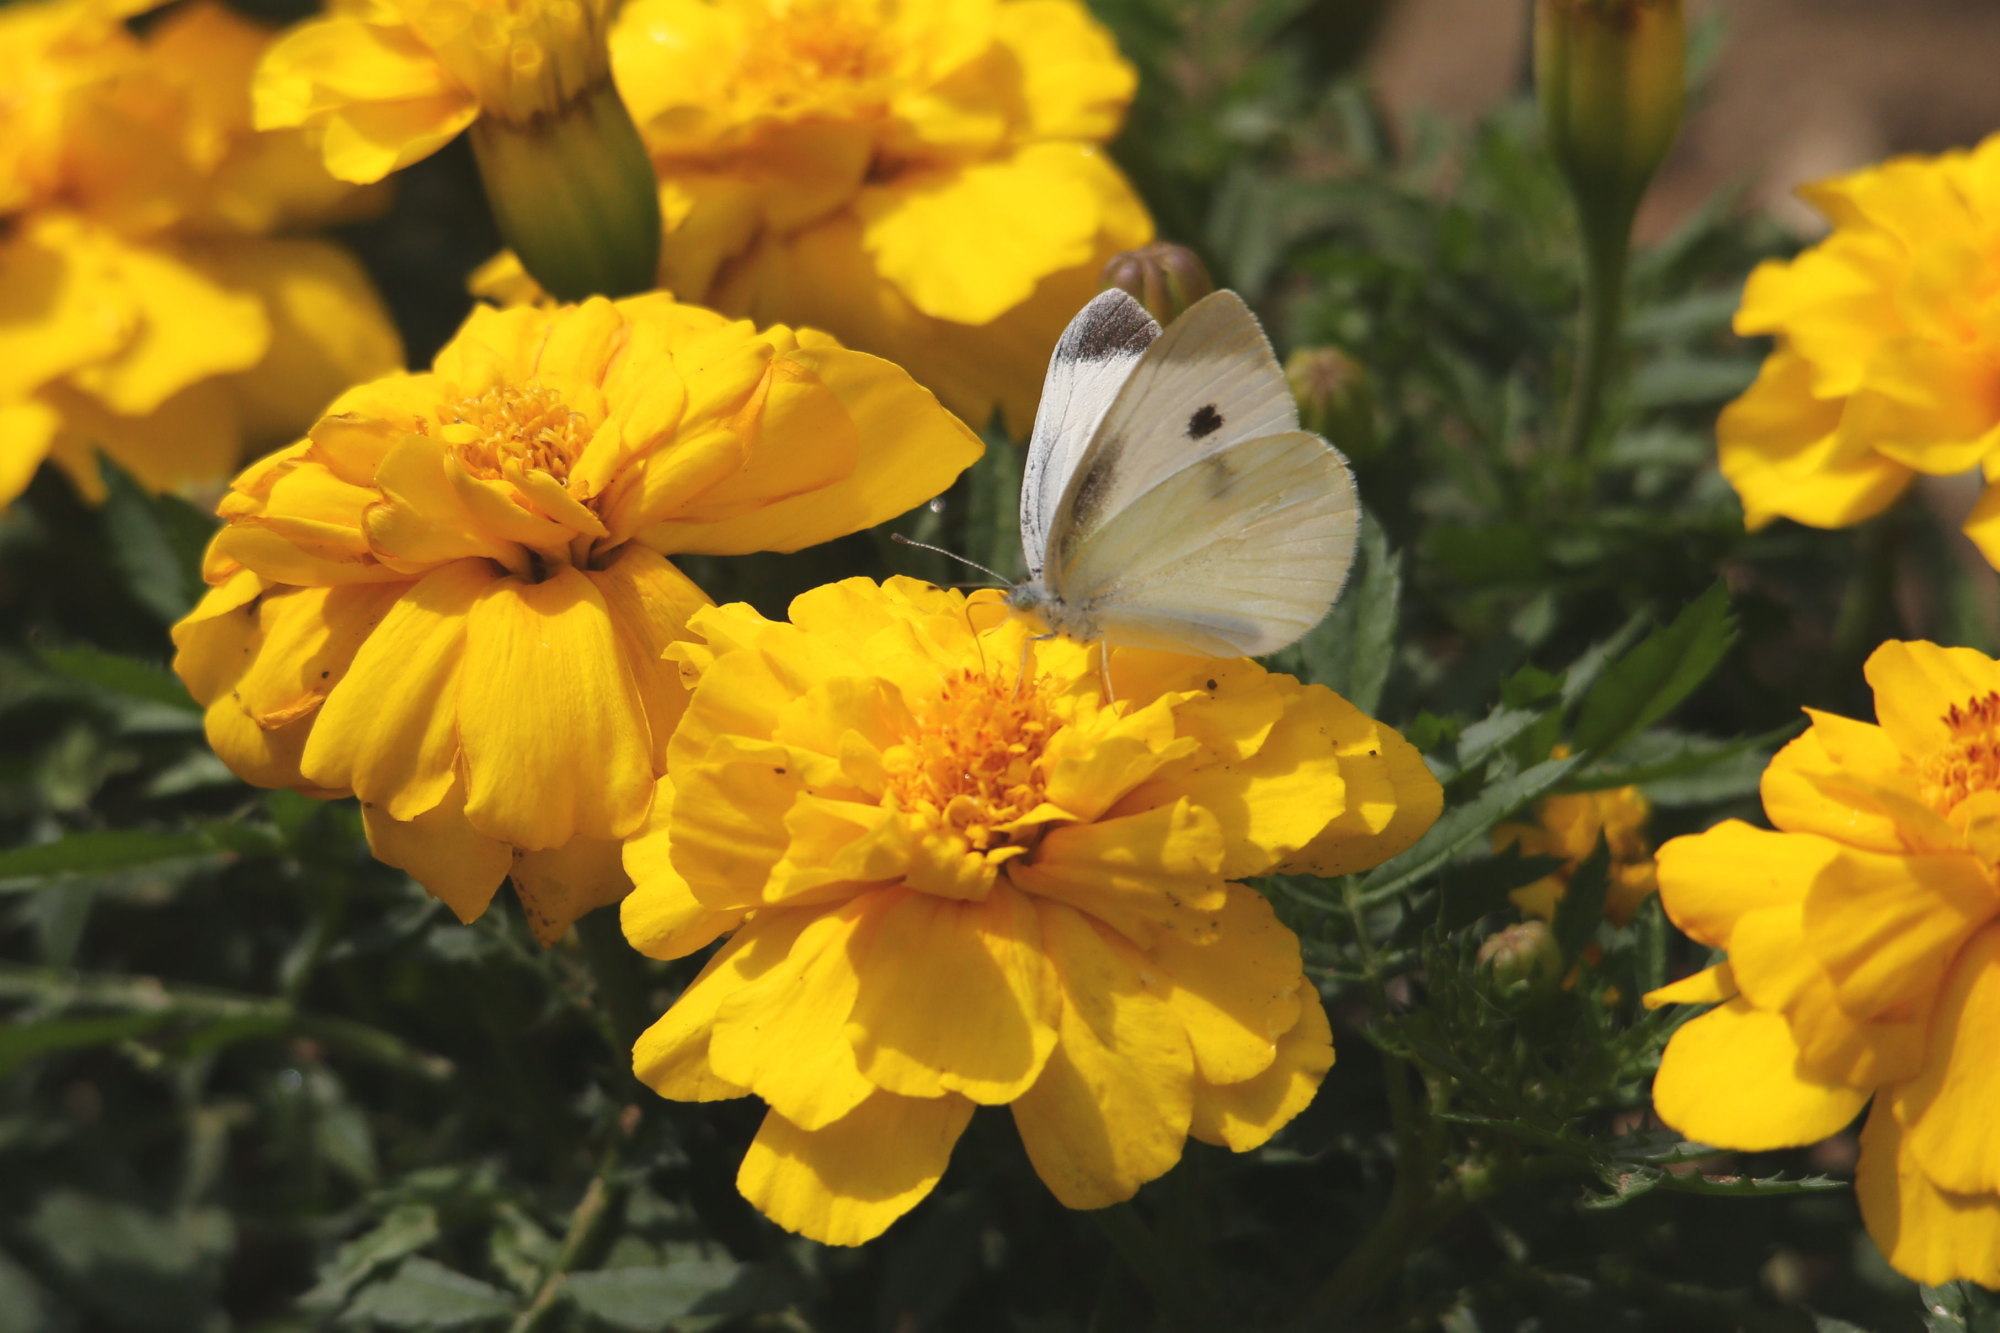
1112	325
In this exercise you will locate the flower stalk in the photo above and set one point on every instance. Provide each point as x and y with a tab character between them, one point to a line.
575	196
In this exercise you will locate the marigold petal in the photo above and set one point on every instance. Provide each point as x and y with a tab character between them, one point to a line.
1915	683
661	916
391	734
560	884
216	642
309	639
1140	874
1947	1107
1112	1107
650	602
729	828
27	430
1237	993
550	721
1730	1078
453	861
671	1057
1075	85
782	1033
1928	1234
1781	447
845	1183
1709	880
1711	985
1803	786
953	997
1244	1115
1093	763
1882	928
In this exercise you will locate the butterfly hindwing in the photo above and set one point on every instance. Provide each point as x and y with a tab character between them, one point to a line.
1209	382
1090	364
1238	552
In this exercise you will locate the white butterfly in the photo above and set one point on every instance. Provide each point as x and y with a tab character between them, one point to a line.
1171	500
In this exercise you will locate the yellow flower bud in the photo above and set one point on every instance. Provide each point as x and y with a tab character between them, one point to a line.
1611	75
1334	398
575	196
1163	277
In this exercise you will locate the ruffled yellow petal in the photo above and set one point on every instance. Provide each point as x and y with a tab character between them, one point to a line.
1916	683
1927	1233
1947	1109
560	884
1730	1078
1883	928
27	431
1710	880
1242	1116
1807	788
1112	1107
1711	985
1237	993
661	917
1074	83
672	1056
393	734
1391	799
441	851
1140	874
650	602
215	643
953	996
844	1183
1783	450
550	721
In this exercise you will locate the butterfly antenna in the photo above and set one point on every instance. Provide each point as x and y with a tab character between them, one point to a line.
901	540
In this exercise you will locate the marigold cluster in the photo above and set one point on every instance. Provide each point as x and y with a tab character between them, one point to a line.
1572	827
925	181
1863	943
1886	364
146	308
959	874
452	598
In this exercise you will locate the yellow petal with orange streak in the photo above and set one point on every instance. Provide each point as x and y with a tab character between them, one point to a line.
391	733
560	884
550	721
845	1183
1730	1078
1244	1115
671	1057
1928	1234
1915	683
1237	993
953	996
1140	874
782	1034
454	862
661	916
1708	880
261	756
1112	1107
309	639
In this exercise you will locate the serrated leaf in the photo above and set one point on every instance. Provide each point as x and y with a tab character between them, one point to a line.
1661	756
423	1294
1461	827
648	1298
124	676
101	851
1647	683
406	1229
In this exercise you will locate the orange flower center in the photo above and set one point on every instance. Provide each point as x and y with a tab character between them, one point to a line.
808	45
1970	761
972	762
513	429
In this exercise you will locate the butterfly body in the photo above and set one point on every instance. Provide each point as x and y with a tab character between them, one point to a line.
1170	499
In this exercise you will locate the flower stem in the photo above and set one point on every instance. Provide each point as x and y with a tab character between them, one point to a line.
1606	248
586	1224
618	973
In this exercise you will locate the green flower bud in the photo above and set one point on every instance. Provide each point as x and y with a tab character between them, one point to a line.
1163	277
1520	960
1611	75
1334	398
575	196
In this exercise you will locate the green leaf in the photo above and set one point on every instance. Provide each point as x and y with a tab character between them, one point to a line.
23	1041
406	1229
423	1294
1690	381
102	851
1647	683
1461	827
1672	757
644	1299
1352	649
124	676
147	539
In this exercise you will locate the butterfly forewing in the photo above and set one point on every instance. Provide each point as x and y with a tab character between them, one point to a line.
1090	364
1208	383
1239	552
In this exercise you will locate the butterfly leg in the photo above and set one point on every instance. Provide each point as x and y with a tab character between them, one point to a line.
1021	671
1104	670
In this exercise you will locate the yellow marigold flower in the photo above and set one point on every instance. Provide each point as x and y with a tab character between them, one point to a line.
452	598
1571	827
1863	942
924	180
1885	364
143	309
953	884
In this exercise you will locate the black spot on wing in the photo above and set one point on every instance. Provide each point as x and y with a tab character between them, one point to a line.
1205	422
1122	329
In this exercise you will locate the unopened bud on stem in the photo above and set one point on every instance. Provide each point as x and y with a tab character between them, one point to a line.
1163	277
1611	76
1520	960
1334	398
